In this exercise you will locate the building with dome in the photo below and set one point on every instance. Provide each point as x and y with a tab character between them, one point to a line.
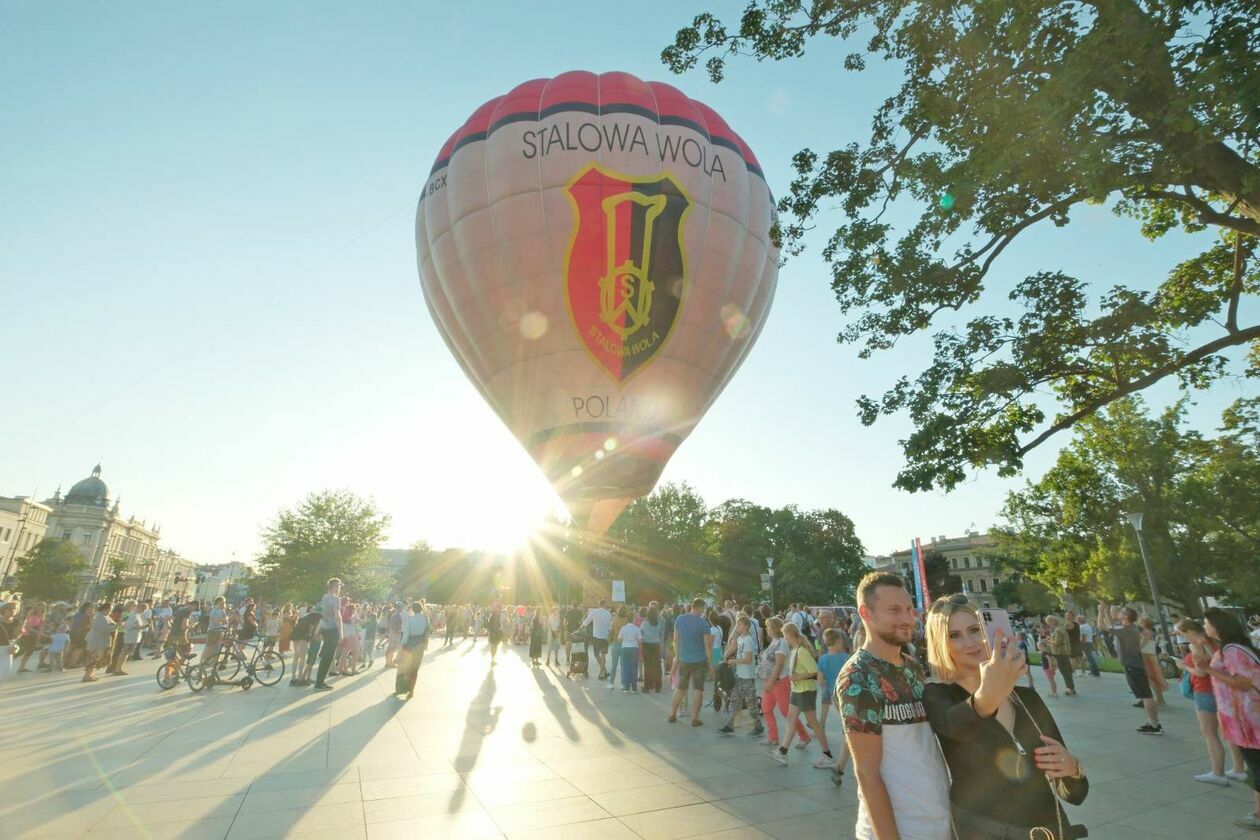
113	544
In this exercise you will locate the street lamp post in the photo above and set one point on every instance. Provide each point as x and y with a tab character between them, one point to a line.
1135	519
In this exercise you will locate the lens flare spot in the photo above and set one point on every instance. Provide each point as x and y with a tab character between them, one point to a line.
533	325
576	471
610	444
599	453
737	325
945	202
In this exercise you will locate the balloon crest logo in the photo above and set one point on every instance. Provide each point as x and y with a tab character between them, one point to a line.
625	269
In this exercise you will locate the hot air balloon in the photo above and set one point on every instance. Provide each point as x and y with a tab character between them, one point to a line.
595	250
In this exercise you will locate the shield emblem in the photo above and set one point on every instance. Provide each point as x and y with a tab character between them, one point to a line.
625	271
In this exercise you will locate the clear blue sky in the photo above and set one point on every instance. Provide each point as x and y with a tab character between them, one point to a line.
209	279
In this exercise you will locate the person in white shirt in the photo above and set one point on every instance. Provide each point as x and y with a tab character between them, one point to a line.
600	620
1088	650
630	636
744	694
415	640
330	630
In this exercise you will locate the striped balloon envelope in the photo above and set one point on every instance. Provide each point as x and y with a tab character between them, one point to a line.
595	250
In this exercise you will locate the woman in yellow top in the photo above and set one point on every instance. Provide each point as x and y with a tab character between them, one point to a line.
803	673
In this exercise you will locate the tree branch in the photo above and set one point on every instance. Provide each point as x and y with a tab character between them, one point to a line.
1207	213
1235	287
1231	340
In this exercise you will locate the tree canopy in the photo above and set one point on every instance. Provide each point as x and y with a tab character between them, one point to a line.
1197	496
50	571
327	534
1008	117
672	543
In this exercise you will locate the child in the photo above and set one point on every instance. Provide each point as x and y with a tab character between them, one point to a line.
55	651
829	665
271	630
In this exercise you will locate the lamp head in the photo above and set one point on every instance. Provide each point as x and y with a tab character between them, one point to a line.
1135	519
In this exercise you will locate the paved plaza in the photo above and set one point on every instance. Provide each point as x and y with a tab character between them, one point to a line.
513	751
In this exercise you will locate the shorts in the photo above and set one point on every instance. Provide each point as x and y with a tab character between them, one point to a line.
806	701
600	645
1139	683
692	675
1205	701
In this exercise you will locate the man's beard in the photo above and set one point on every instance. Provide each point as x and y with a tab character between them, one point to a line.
895	638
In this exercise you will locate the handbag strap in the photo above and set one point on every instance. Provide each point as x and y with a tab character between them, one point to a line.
1041	833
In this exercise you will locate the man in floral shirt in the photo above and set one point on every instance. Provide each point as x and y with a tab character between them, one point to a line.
903	789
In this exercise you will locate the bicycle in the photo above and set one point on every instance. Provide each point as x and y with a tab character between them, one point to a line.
177	668
265	667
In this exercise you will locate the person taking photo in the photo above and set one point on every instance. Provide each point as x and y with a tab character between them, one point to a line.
1006	757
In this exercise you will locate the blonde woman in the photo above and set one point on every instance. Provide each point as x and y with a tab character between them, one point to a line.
802	674
1008	764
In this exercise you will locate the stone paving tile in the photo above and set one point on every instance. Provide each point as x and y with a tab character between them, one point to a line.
687	821
323	818
468	825
284	800
638	800
411	786
156	813
207	829
551	814
770	807
606	829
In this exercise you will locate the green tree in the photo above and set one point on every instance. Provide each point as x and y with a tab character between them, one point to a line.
818	557
940	580
50	571
1011	116
743	537
661	544
1196	496
418	569
328	534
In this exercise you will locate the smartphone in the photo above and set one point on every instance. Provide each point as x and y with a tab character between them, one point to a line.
995	620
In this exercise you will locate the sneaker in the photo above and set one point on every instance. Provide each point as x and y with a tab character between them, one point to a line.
324	687
825	762
775	755
1250	821
673	719
800	745
727	730
697	722
757	733
1137	705
837	777
1211	779
1236	775
1151	729
624	690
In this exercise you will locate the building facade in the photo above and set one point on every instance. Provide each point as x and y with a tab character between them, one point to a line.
969	557
122	552
23	523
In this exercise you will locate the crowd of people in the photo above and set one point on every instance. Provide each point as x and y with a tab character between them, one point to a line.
924	749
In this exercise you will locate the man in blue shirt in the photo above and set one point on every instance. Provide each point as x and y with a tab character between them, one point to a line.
694	644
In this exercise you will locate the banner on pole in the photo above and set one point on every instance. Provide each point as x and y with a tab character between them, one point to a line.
922	594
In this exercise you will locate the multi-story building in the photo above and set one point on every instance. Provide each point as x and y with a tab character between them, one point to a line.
114	545
23	523
969	557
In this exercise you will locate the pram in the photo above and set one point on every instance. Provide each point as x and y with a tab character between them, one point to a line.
723	682
579	662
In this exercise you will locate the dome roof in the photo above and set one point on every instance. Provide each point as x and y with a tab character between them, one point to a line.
89	491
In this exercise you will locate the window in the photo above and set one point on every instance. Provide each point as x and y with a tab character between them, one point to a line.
65	535
966	562
984	585
996	580
7	532
87	538
967	587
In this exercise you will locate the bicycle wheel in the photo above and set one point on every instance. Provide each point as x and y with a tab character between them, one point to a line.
167	675
228	667
1169	665
199	678
267	667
